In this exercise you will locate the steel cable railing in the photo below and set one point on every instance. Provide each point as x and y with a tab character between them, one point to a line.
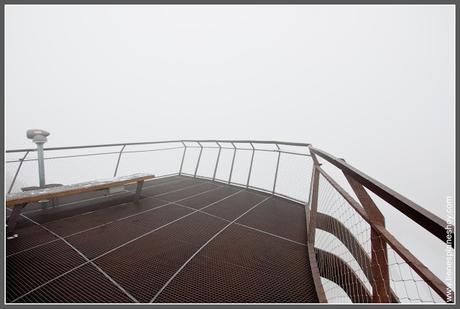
358	259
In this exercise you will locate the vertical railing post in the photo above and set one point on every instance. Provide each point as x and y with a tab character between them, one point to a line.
17	171
381	291
313	206
199	158
217	161
183	157
250	166
118	161
277	166
233	161
308	204
311	230
314	187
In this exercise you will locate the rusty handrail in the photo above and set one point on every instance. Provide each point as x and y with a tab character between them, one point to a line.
418	214
429	277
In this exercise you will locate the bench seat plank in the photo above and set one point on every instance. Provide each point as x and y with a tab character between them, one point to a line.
95	185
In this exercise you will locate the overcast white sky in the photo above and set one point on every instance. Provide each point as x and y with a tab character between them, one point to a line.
372	84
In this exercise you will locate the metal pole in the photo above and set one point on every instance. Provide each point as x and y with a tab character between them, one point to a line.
41	164
199	158
118	162
250	167
183	157
308	204
313	205
17	171
233	161
217	162
39	138
277	166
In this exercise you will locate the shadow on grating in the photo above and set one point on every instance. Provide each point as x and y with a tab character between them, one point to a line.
97	241
64	211
244	266
74	224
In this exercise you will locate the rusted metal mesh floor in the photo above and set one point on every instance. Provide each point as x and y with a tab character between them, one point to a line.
188	240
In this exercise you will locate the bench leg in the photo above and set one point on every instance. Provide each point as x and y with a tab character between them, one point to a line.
138	191
12	220
51	203
44	204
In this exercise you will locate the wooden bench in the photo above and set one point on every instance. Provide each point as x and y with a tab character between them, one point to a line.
20	199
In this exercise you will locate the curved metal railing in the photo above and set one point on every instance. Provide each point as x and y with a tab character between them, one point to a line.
349	246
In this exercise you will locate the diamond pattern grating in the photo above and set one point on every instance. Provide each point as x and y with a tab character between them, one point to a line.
175	246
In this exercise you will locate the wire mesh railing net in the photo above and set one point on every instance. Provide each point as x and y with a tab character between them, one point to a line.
407	284
345	247
343	234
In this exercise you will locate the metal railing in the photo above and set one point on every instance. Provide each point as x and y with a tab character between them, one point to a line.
185	145
353	250
362	269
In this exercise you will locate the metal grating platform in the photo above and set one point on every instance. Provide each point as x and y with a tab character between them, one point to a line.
188	240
